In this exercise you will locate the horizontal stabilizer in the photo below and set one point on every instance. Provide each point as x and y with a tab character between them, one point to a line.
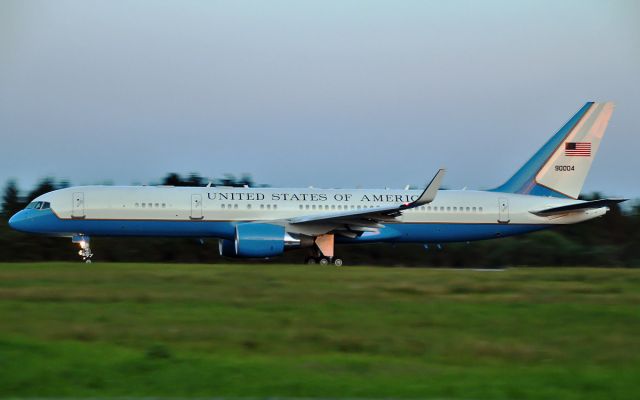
587	205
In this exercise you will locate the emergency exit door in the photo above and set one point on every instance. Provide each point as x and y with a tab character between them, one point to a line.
196	206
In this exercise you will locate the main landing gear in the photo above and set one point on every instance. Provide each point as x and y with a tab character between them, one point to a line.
85	249
324	261
322	252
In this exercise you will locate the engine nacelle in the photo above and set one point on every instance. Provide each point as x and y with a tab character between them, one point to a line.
227	248
255	240
259	240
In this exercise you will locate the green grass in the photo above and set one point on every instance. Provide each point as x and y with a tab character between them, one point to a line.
114	330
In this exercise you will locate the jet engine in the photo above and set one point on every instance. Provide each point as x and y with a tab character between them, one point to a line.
259	240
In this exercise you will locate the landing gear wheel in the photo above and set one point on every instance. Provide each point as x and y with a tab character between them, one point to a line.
324	261
85	250
337	262
310	261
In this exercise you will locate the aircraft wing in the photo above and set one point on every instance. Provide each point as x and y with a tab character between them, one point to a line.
587	205
369	219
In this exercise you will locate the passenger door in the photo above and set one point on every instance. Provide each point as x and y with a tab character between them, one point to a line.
78	205
503	210
196	206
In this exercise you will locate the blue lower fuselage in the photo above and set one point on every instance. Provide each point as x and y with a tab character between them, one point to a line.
47	223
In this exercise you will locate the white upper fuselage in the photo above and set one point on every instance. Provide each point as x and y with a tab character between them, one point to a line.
265	204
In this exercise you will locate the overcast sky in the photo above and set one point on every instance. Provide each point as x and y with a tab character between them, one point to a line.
298	93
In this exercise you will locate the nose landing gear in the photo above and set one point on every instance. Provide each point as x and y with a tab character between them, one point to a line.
85	249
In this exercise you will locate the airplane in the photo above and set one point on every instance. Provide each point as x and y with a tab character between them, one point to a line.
265	222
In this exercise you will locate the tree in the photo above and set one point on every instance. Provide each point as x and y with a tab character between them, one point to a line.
194	180
45	186
172	179
11	202
246	180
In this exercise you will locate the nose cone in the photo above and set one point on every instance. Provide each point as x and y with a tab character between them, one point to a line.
17	222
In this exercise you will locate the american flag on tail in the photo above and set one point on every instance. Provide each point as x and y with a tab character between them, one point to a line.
577	149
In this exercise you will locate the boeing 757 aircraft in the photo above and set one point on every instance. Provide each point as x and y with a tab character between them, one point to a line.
265	222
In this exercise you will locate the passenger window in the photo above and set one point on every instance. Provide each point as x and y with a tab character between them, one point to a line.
473	209
144	205
455	209
480	209
269	206
221	205
275	206
248	206
468	209
164	205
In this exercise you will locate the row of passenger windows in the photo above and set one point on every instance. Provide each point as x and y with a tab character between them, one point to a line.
421	208
448	209
354	207
151	205
38	205
262	206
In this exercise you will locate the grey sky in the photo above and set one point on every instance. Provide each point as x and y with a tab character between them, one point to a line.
297	93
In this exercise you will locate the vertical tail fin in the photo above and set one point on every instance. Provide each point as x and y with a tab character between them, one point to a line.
561	166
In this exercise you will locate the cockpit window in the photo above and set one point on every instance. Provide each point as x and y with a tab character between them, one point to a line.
38	205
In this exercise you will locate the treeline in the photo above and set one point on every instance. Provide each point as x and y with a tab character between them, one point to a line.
612	240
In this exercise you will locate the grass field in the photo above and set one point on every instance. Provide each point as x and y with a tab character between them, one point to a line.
144	330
